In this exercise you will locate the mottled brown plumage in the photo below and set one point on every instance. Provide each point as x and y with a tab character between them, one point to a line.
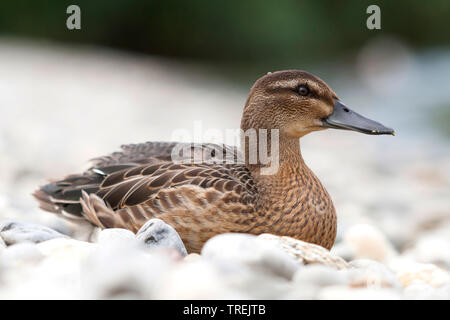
200	200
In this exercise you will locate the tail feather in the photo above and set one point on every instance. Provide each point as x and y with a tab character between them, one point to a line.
64	196
45	202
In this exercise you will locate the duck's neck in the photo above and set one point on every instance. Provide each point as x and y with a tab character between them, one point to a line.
294	199
285	159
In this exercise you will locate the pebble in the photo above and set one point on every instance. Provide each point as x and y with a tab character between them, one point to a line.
319	276
305	291
432	248
343	250
423	291
252	252
157	233
366	241
192	257
347	293
113	235
21	254
192	279
409	272
13	231
306	253
371	273
124	271
62	247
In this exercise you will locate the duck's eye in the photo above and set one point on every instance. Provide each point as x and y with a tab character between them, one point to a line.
303	90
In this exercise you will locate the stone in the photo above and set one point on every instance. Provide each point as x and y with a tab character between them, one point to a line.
124	271
13	231
432	248
303	291
343	250
251	252
348	293
192	257
21	254
108	236
409	272
306	253
157	233
197	279
260	286
371	273
366	241
319	275
423	291
62	248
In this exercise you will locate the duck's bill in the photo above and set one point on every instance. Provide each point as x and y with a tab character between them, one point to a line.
346	119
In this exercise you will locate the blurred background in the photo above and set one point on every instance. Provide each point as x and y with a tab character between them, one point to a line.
139	70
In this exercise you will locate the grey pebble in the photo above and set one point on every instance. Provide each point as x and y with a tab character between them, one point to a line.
157	233
13	232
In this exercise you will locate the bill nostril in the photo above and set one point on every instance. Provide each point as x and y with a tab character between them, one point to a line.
346	110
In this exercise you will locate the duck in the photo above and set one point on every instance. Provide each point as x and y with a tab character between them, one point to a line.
229	190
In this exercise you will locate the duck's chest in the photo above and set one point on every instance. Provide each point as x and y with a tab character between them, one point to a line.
301	208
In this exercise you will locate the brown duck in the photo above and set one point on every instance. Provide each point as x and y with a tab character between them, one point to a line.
201	199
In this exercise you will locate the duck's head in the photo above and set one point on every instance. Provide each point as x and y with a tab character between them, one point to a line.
297	102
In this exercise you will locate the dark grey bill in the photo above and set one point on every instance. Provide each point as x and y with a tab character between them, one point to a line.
345	118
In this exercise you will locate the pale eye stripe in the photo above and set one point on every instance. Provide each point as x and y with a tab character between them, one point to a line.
294	83
282	84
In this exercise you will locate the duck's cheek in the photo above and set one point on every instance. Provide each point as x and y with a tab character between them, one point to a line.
300	129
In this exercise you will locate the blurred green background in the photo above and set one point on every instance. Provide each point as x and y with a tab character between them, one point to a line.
242	40
249	36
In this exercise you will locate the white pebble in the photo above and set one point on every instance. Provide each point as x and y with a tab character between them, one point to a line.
123	271
252	252
304	252
319	275
346	293
108	236
408	272
423	291
197	279
65	248
370	273
432	249
21	253
366	241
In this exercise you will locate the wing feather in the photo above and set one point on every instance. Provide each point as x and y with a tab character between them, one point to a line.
142	181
